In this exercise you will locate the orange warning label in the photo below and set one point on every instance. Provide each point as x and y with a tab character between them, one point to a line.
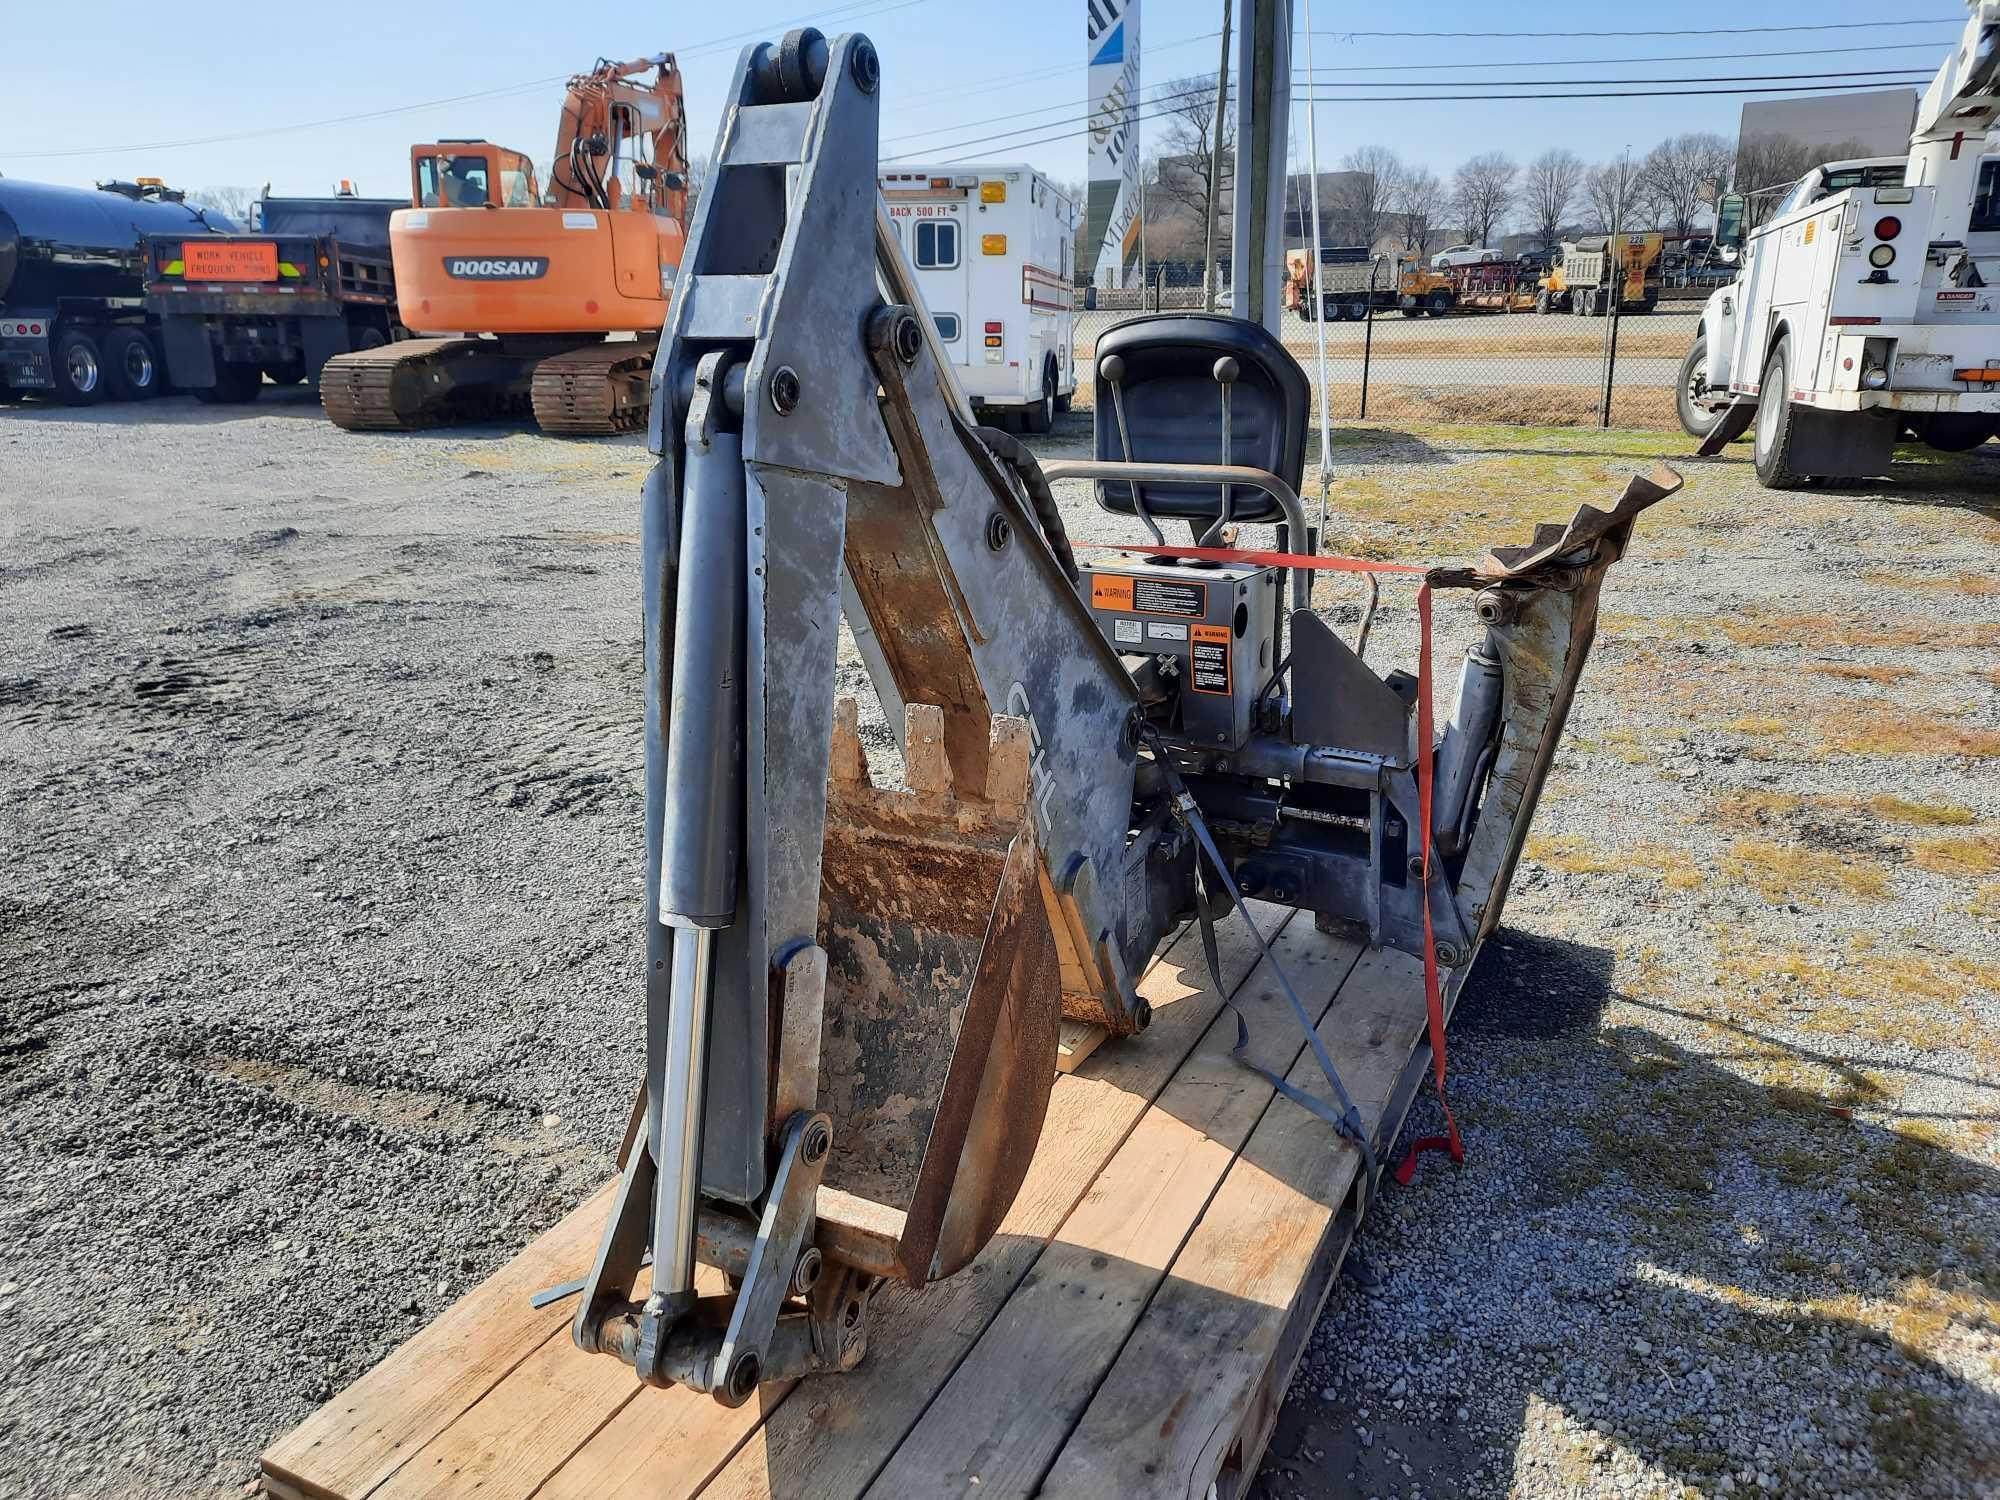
1110	592
1210	649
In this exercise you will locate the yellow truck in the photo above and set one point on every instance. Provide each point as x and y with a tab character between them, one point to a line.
1590	271
1353	282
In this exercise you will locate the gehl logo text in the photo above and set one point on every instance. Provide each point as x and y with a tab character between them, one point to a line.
1103	16
496	268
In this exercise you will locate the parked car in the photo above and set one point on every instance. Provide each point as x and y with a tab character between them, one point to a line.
1462	255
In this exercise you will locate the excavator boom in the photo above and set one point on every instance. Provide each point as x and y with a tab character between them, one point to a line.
852	991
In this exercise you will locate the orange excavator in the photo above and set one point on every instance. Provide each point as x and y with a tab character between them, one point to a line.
521	295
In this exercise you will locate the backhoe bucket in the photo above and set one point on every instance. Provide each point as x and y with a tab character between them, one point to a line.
938	1042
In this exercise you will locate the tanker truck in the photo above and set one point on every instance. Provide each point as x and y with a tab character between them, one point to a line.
73	319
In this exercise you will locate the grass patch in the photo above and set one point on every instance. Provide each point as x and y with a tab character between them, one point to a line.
1572	856
1862	995
1756	626
1965	858
1753	809
1985	902
1921	814
1786	872
1977	585
1913	1434
1856	672
1893	729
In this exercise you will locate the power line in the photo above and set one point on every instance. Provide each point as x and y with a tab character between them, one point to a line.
1069	135
1592	62
1686	31
1204	87
1891	75
1161	114
880	7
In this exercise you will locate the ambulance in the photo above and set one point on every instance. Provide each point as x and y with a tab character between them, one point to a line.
994	248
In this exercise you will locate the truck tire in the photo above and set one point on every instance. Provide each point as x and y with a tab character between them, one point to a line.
77	369
1542	301
235	385
290	373
1041	416
1697	420
1438	303
1772	449
132	370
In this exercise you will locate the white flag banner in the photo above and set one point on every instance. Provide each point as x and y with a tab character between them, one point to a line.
1112	215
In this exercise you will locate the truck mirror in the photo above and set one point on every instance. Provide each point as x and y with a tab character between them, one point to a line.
1729	222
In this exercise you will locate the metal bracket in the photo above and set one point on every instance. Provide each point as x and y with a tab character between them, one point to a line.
778	1259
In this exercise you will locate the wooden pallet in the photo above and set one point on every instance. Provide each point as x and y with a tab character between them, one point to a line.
1130	1331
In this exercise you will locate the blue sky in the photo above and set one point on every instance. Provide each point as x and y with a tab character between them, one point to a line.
113	74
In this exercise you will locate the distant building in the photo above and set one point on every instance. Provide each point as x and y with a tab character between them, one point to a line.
1880	120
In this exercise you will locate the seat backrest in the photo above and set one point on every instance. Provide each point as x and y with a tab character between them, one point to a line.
1173	411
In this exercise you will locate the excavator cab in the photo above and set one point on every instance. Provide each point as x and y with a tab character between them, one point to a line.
471	174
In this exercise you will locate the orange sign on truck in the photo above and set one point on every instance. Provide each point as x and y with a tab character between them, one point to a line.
230	260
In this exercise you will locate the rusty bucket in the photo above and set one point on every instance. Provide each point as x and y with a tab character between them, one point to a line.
938	1042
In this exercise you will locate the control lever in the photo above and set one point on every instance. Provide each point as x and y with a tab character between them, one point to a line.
1226	371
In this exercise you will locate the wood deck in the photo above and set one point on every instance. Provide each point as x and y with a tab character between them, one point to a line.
1130	1331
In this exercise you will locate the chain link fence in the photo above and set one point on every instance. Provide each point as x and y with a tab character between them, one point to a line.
1464	365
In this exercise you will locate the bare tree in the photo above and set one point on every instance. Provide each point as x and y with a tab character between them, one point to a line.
1766	164
1366	192
1482	190
1684	172
1617	195
1187	151
1420	205
234	202
1550	191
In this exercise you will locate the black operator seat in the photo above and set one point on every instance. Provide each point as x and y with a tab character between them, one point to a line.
1166	367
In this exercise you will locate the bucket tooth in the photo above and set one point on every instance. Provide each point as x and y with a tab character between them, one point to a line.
847	761
943	992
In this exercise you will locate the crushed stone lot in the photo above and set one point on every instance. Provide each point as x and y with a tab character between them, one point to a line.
319	784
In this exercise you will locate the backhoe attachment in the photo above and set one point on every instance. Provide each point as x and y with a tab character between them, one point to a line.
853	991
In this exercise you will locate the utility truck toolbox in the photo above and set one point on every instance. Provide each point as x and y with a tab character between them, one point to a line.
993	250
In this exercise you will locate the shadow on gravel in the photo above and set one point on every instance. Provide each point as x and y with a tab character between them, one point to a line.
294	403
1693	1273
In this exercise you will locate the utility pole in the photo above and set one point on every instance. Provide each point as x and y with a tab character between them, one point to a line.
1318	273
1615	262
1215	166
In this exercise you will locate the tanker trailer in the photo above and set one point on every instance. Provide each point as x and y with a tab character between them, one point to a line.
73	318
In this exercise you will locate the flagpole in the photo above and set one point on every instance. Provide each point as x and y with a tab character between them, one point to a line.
1318	283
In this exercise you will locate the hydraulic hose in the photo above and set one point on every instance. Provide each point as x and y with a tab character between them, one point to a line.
1041	499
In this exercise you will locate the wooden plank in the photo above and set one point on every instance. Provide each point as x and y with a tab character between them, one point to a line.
834	1432
1076	1041
358	1439
1009	1406
1176	1402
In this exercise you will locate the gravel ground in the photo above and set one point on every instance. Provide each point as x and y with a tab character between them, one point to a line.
319	772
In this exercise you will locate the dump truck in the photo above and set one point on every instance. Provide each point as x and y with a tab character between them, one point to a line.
1498	286
853	991
1864	306
1352	282
312	279
549	302
1591	271
73	318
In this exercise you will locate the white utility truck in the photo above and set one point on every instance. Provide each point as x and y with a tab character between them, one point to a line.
994	252
1867	305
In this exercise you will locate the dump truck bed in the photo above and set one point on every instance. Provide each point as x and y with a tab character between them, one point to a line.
1129	1331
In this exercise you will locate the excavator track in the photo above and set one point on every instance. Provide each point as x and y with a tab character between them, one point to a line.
421	383
594	391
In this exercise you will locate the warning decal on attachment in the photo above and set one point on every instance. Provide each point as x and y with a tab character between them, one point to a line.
1211	659
1148	596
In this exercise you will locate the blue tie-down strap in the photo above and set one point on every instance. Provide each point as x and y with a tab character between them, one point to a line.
1346	1118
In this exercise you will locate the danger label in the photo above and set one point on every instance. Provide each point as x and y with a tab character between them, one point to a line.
1211	659
1149	596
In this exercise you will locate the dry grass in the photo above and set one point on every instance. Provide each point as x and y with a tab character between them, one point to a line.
1753	809
1921	814
1757	626
1977	585
1855	672
1862	994
1966	858
1985	902
1888	728
1572	856
1782	873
